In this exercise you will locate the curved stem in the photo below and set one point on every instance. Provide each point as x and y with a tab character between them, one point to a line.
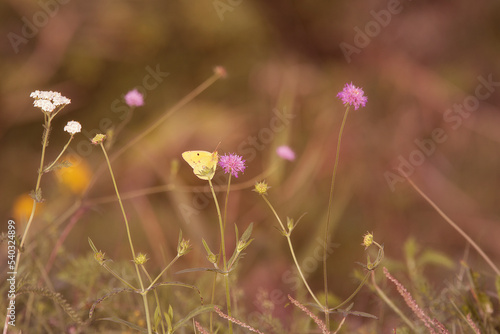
328	215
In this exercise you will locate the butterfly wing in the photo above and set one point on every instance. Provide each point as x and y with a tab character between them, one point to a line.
200	160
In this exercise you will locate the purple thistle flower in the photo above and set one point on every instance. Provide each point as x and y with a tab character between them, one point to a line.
134	98
232	163
285	152
353	96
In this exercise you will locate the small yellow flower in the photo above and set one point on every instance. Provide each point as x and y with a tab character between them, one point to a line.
367	240
261	188
100	257
76	177
141	258
99	138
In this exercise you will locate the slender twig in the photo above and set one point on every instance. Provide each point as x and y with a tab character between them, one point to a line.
457	228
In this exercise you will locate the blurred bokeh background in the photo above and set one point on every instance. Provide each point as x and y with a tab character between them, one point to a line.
285	63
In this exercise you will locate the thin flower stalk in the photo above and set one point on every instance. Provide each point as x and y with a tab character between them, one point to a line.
328	215
224	260
457	228
143	292
290	245
72	133
350	96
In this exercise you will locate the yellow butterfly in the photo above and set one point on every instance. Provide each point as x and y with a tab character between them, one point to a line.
203	163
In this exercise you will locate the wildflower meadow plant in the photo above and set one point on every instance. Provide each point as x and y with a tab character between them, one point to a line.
350	96
204	165
166	313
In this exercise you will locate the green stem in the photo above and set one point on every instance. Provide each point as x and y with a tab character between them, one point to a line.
60	154
353	294
48	120
112	272
157	298
146	307
223	247
328	215
163	271
287	235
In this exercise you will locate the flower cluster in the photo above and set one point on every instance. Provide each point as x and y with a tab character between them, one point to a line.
352	95
48	100
134	98
232	163
73	127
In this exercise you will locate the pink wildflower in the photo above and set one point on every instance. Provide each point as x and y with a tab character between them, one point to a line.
285	152
134	98
352	95
232	163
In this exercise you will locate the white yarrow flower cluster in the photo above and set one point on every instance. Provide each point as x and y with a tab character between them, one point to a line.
73	127
48	100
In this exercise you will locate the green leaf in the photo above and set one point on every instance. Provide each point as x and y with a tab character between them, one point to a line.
92	245
248	233
157	317
435	257
210	256
195	312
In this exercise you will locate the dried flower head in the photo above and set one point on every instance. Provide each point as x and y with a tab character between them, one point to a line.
232	163
261	188
134	99
285	152
73	127
184	247
100	257
48	100
141	258
99	138
352	95
367	240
